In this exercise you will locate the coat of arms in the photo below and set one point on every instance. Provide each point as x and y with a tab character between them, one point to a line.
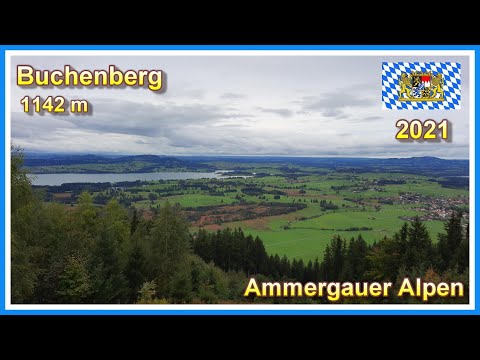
421	86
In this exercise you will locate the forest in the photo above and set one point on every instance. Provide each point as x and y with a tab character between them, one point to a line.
110	255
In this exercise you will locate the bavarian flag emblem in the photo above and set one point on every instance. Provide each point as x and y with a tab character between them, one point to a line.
421	85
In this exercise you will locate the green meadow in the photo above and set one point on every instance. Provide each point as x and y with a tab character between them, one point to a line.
359	206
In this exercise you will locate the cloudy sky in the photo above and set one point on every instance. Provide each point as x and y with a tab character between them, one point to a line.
235	105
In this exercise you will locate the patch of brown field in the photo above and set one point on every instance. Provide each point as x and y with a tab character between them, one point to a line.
289	217
229	208
228	213
236	208
236	213
203	219
212	227
259	209
259	223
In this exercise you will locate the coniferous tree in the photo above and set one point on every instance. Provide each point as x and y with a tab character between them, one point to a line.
348	268
317	276
74	283
285	267
24	271
110	257
355	260
327	264
449	243
419	250
169	247
384	260
135	221
461	256
308	275
135	271
260	257
338	257
401	238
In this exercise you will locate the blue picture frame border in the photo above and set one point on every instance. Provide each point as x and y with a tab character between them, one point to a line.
4	48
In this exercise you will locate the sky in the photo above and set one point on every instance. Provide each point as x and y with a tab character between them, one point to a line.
234	105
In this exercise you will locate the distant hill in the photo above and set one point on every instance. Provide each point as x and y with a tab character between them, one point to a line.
101	164
427	165
53	160
90	163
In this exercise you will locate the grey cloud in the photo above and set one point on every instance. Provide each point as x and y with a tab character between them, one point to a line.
332	104
140	141
194	93
281	112
170	124
32	126
232	96
145	119
332	112
365	120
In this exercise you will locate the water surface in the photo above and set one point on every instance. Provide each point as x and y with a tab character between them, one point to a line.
59	179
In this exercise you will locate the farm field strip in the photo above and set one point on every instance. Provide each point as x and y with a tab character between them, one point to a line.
298	215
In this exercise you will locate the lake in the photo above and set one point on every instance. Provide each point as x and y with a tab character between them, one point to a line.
59	179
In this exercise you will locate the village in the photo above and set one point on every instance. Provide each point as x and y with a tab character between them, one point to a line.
435	207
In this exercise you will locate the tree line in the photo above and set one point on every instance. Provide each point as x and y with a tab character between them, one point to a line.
409	251
105	255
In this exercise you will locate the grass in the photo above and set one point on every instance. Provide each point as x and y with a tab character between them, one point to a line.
309	230
189	200
309	243
385	220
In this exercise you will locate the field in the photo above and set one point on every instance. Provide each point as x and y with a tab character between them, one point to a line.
296	210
